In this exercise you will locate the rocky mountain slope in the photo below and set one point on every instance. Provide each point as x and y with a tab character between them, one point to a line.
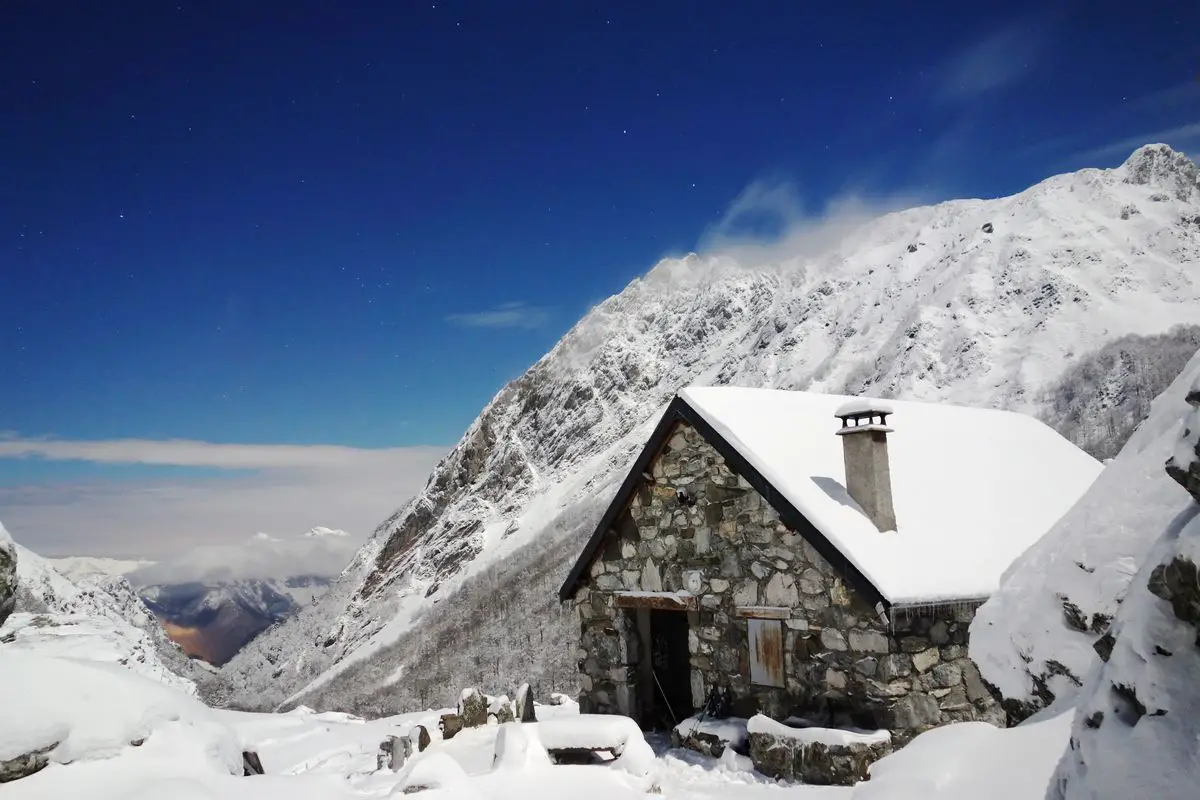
1134	730
979	302
213	621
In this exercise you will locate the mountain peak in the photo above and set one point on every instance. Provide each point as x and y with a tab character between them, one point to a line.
1161	166
321	531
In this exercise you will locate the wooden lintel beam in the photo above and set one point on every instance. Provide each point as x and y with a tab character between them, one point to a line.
663	602
764	612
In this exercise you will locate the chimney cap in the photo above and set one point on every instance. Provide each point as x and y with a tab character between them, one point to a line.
861	406
867	414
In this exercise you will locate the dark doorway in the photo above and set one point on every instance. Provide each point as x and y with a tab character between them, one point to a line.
670	690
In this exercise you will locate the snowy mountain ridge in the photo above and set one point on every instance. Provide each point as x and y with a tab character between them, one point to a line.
78	568
102	615
976	302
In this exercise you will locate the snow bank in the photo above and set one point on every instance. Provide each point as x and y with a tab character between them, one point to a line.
971	760
433	770
518	748
827	736
600	731
90	638
972	488
89	711
1033	638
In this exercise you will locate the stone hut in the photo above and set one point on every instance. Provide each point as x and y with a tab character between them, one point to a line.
809	568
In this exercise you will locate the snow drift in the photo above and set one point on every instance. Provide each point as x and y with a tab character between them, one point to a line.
76	711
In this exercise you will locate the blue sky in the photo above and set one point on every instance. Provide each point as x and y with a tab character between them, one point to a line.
349	224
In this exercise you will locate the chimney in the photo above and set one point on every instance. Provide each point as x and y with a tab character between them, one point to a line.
864	445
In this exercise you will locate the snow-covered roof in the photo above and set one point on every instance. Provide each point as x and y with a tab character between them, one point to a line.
972	488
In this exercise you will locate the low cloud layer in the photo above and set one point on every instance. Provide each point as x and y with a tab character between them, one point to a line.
322	554
283	490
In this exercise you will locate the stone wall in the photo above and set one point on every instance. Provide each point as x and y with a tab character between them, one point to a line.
699	523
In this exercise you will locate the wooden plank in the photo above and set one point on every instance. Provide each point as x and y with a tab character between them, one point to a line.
766	652
664	601
764	612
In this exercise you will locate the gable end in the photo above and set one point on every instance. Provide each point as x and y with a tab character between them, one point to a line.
679	411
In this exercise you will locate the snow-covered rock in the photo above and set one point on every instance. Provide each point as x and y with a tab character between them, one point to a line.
976	302
1034	638
1184	464
1135	728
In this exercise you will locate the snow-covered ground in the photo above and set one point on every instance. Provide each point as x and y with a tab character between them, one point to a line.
109	733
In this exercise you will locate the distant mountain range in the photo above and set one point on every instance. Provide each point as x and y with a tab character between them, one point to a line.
1064	301
214	599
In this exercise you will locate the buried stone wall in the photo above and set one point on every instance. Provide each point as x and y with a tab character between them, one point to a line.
700	529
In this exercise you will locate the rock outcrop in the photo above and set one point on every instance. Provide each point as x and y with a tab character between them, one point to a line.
25	764
524	705
8	575
473	708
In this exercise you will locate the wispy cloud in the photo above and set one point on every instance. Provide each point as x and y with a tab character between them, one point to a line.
507	315
768	222
1180	137
1168	105
994	62
288	489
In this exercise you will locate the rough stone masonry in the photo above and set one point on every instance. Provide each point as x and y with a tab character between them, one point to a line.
698	527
